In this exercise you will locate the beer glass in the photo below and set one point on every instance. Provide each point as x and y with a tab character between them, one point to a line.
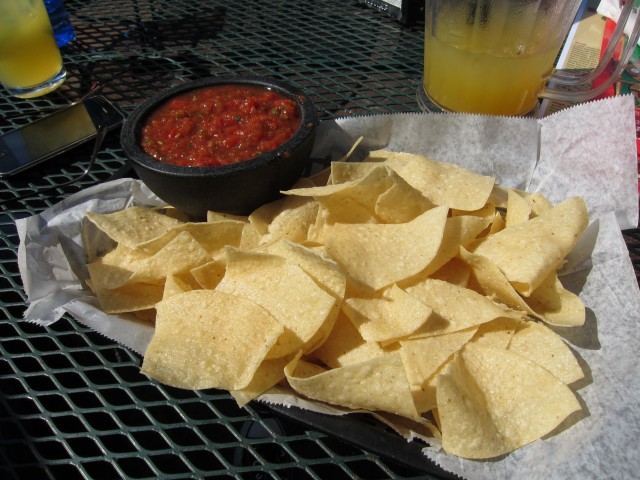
30	61
497	56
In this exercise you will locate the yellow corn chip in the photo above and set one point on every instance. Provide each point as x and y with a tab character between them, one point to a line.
209	339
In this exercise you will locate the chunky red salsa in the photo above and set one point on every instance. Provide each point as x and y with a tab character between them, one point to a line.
219	125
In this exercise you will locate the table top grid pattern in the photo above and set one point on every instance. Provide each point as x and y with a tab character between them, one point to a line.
73	403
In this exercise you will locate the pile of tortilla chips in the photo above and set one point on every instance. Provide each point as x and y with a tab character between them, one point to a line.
398	285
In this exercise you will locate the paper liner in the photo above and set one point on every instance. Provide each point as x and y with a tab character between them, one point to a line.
588	150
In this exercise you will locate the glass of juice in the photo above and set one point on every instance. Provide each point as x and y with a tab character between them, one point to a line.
30	61
497	57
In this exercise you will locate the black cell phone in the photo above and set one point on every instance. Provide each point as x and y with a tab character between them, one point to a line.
55	133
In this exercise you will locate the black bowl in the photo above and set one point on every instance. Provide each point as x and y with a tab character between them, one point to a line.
238	188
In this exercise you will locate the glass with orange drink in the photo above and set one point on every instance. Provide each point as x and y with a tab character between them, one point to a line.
30	61
497	56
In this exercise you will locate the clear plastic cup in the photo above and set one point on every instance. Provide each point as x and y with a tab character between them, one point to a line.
497	56
30	61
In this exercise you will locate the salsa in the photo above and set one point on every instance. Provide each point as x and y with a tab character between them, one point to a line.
219	125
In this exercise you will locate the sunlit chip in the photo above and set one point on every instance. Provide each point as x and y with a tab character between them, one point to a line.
499	196
211	236
179	283
497	333
539	204
268	374
456	308
213	217
518	209
422	357
288	217
550	301
133	226
129	298
115	268
209	339
350	202
527	252
488	210
386	318
455	271
148	315
320	178
542	345
293	221
324	271
317	231
209	275
555	304
378	255
358	386
492	282
459	232
497	225
283	289
345	346
441	183
124	266
493	401
400	203
380	195
425	358
181	254
250	237
343	172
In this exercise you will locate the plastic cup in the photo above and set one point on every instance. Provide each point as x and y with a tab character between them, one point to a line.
30	61
497	56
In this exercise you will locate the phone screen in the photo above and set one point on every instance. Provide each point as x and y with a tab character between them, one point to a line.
50	135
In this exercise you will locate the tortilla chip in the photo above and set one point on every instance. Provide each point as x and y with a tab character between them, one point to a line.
345	346
129	298
133	226
211	236
497	333
441	183
527	252
208	339
540	205
492	281
422	357
358	386
492	401
344	172
455	271
557	305
543	346
378	255
292	222
283	289
456	308
388	317
209	275
268	374
179	283
459	232
518	209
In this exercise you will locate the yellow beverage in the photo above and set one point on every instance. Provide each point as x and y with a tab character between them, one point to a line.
29	55
477	82
492	57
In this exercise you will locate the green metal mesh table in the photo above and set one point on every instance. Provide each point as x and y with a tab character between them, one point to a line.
73	403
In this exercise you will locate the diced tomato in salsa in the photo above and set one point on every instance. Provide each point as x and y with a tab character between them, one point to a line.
219	125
